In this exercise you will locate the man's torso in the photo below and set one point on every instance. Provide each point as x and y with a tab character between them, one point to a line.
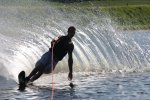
61	47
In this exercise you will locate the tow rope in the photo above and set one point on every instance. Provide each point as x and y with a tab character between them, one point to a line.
52	95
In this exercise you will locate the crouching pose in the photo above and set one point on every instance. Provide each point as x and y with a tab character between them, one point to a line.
60	48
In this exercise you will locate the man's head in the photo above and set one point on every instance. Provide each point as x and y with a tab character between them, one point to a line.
71	31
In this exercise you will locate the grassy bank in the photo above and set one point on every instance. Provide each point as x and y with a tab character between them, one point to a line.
128	14
130	17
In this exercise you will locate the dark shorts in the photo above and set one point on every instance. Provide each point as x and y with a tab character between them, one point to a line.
46	62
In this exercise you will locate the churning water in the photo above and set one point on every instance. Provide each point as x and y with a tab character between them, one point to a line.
26	30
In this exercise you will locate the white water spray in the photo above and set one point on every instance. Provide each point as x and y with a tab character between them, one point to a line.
26	32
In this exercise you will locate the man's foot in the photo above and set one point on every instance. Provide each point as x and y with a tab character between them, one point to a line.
21	79
27	79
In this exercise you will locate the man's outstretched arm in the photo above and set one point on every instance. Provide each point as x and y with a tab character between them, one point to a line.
70	64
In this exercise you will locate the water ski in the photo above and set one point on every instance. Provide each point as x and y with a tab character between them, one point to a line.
21	79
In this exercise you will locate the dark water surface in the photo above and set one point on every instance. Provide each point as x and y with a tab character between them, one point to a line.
129	86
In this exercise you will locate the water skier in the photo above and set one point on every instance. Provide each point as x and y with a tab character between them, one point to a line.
60	47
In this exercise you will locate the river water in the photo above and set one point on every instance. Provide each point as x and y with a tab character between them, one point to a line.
90	86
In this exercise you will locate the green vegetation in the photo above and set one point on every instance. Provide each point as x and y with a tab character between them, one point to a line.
128	14
130	17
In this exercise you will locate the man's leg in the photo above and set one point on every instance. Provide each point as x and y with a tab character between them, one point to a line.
35	71
36	76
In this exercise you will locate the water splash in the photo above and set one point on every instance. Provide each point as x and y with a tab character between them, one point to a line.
26	33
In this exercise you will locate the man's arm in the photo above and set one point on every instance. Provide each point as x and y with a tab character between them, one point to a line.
70	63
